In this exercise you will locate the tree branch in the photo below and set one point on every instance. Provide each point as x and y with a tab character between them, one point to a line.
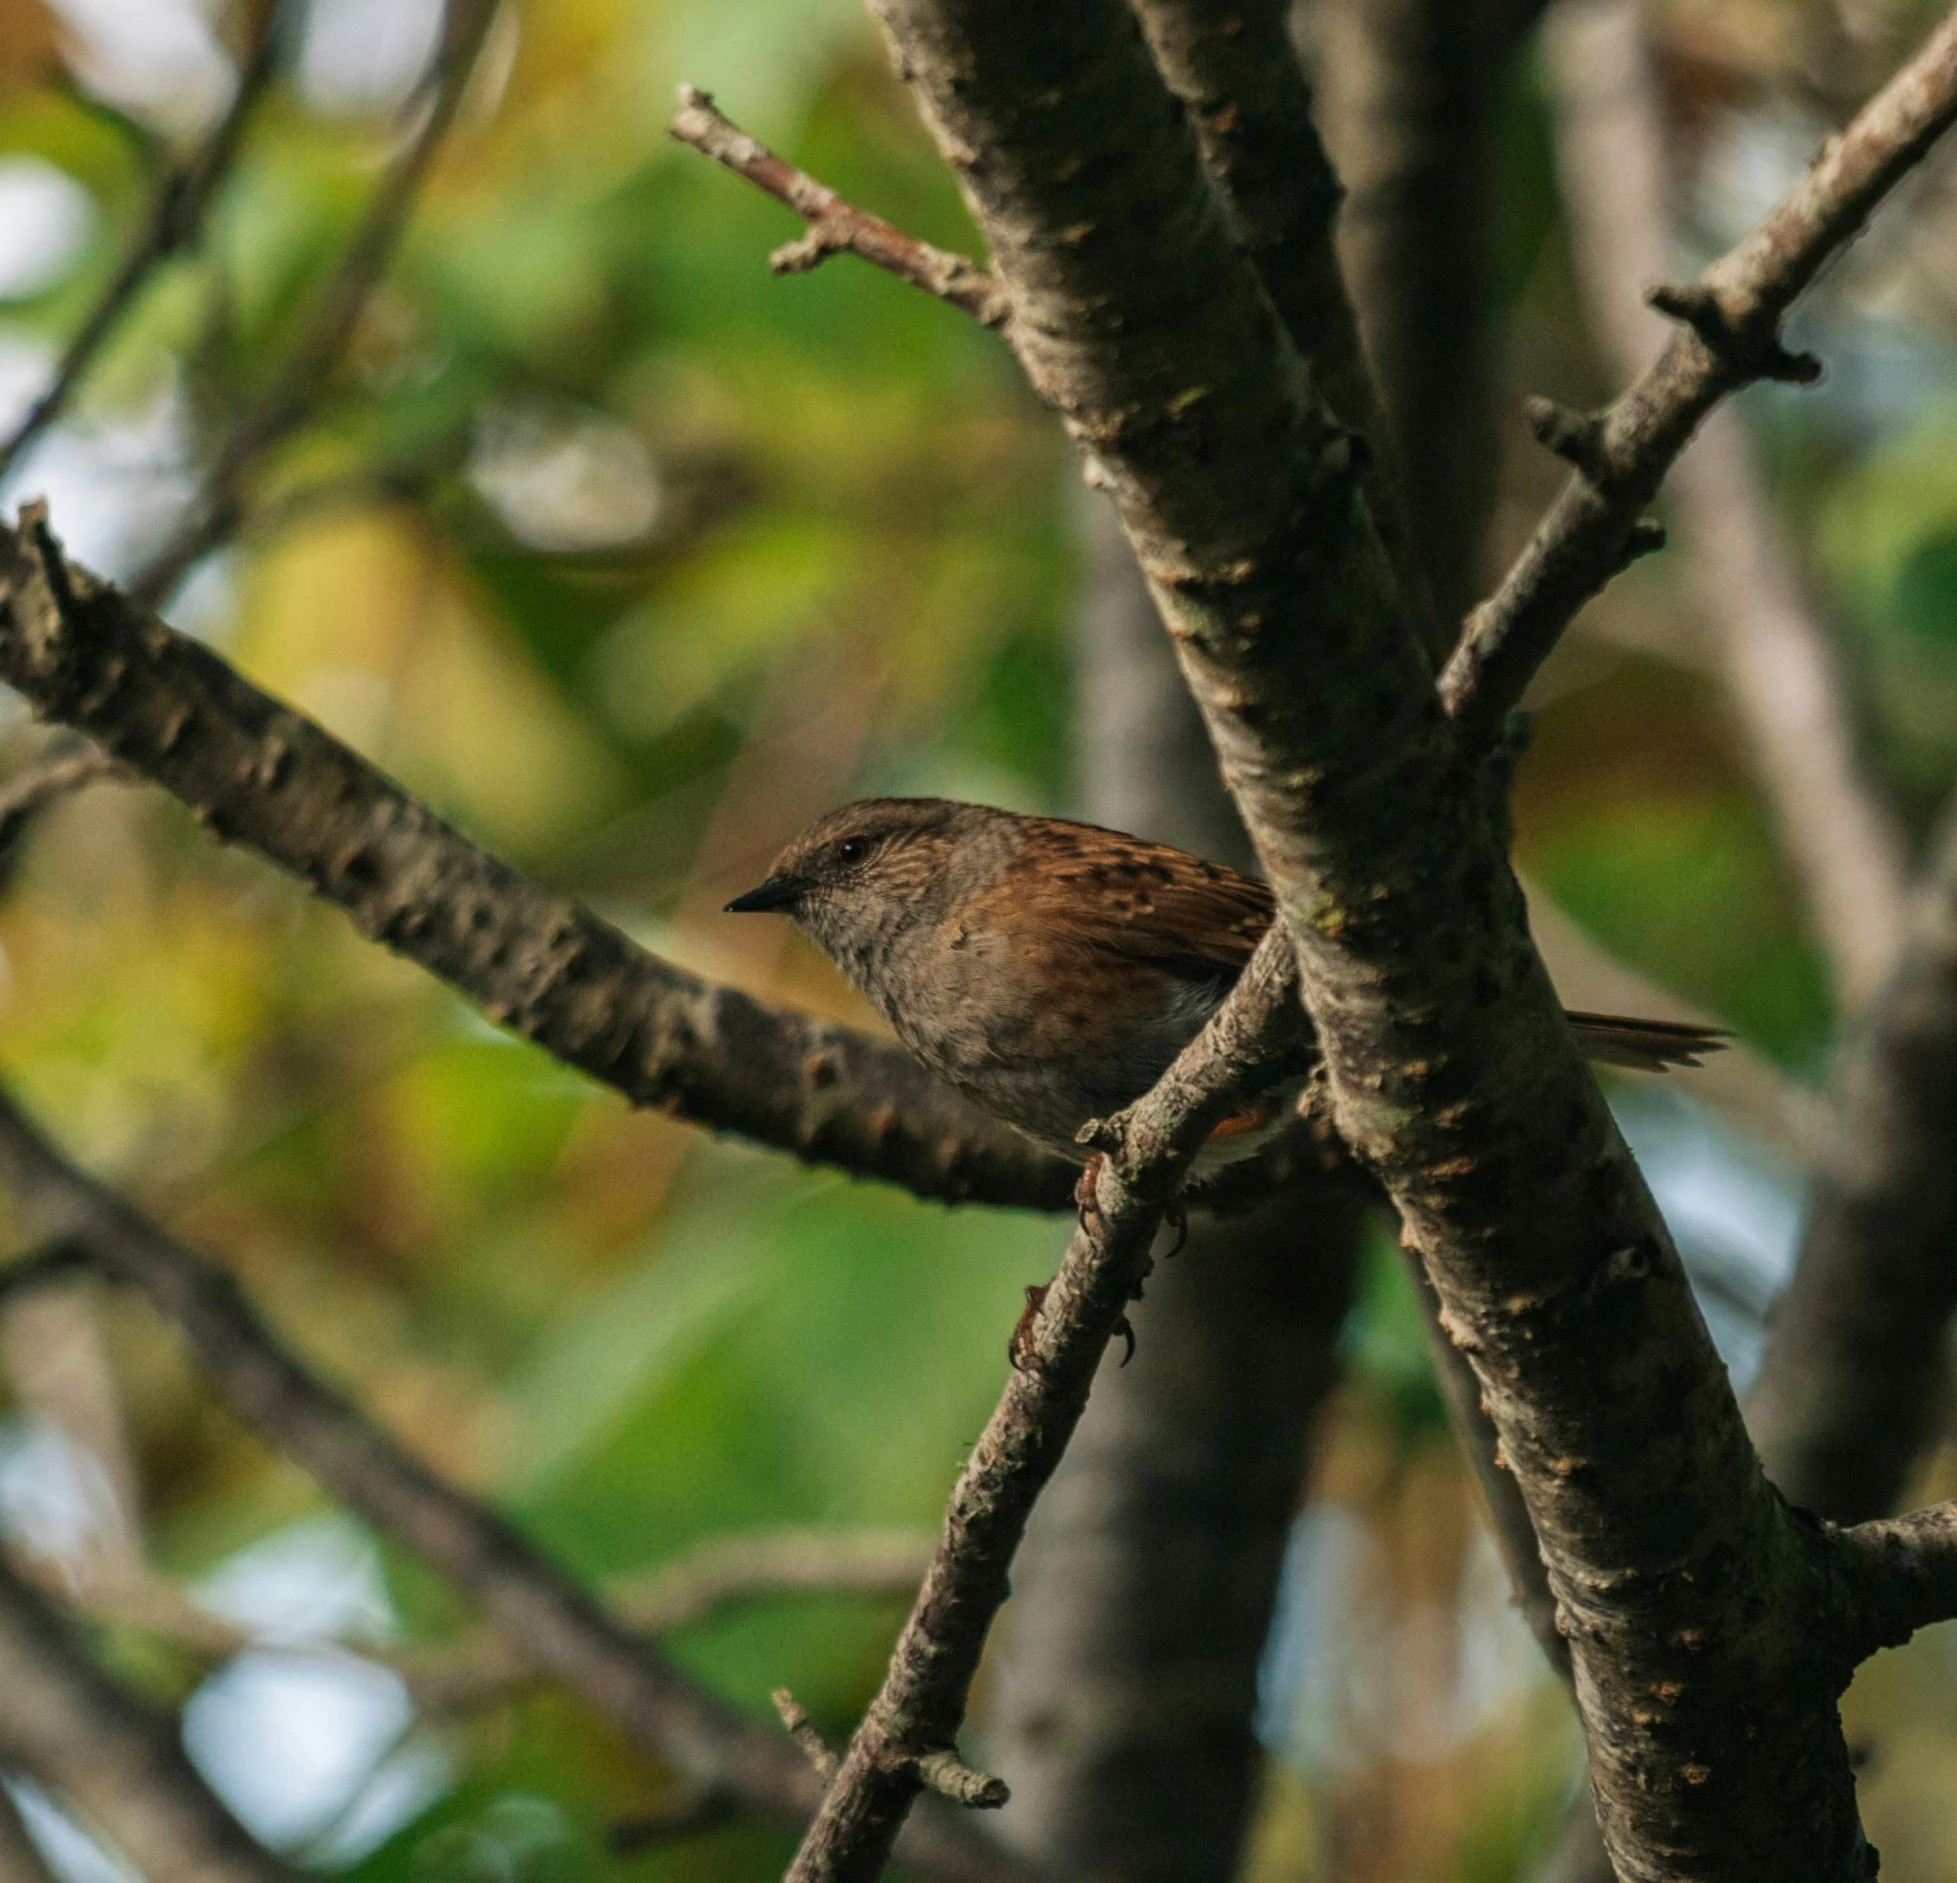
623	1677
1728	334
1900	1574
1855	1358
1411	94
308	368
836	227
721	1570
173	224
1782	669
258	773
1237	73
78	1732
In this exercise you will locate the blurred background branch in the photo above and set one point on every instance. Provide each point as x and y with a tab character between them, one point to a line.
70	1725
564	1629
174	224
306	371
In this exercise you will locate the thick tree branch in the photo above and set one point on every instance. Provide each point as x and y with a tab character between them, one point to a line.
1411	94
1856	1358
1782	669
307	368
562	1628
257	773
1237	73
173	225
836	227
79	1733
1728	334
1676	1570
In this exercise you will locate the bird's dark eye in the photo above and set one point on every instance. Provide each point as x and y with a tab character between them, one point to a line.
851	850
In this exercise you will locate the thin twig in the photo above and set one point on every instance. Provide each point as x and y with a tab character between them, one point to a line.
719	1571
801	1729
690	1817
836	227
1783	671
58	1261
82	1735
518	1587
174	223
28	793
1727	335
308	366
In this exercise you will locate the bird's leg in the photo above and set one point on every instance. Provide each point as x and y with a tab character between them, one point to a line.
1085	1200
1019	1349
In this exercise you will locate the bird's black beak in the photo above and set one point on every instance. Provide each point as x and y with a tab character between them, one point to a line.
778	892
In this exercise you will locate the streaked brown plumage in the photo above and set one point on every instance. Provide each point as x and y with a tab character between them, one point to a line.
1052	970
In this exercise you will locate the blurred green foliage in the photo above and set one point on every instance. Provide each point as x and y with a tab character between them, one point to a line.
632	557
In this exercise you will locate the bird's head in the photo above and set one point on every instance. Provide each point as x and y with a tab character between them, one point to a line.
869	868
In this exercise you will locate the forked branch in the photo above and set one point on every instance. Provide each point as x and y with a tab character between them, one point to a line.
1728	335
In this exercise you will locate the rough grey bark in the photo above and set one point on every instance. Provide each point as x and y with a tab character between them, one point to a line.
84	1737
255	772
1235	68
1123	1685
1686	1590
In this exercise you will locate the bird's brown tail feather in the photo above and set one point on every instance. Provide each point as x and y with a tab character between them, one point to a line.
1611	1039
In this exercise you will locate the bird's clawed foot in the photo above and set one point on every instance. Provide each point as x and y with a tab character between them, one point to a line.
1086	1202
1019	1349
1177	1218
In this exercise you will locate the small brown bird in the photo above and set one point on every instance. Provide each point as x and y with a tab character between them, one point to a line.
1052	970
